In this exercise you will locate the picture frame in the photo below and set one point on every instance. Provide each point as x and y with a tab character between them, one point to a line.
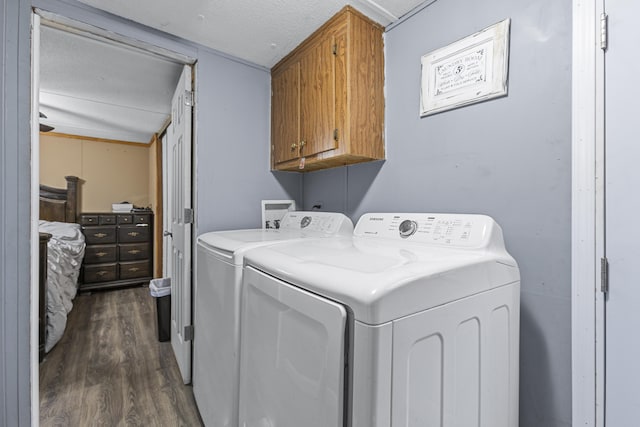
470	70
274	210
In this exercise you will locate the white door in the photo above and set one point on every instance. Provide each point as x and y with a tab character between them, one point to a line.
292	356
179	162
622	145
167	220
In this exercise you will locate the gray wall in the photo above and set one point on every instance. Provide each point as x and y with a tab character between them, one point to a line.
233	146
509	158
232	158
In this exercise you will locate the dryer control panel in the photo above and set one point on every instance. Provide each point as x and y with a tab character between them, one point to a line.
317	222
456	230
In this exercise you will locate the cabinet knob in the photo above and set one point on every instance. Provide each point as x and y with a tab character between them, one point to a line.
302	144
294	146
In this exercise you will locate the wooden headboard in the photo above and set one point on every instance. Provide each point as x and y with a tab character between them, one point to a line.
60	204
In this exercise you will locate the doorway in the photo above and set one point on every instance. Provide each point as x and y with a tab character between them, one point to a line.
61	111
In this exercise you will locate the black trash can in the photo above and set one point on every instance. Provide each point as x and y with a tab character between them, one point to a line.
160	289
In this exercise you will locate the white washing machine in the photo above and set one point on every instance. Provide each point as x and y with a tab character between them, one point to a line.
219	260
412	321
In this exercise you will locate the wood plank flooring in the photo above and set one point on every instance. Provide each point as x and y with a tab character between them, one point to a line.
110	370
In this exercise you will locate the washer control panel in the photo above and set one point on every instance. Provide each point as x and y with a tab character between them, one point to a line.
317	222
442	229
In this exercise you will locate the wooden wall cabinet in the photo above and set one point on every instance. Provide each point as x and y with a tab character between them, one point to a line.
327	102
119	250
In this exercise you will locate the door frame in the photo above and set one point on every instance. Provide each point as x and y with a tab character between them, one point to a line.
37	16
35	216
587	216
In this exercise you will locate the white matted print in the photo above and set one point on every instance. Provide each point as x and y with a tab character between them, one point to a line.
274	210
470	70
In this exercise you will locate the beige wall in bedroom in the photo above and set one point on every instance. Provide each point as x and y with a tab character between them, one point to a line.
109	172
155	198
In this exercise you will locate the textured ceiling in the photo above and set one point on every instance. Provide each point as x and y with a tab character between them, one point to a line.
258	31
90	87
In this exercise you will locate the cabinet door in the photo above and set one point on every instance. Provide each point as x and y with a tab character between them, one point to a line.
285	114
317	98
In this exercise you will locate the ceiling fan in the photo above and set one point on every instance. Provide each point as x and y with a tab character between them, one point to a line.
43	127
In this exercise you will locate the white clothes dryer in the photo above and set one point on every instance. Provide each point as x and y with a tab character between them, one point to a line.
219	258
412	321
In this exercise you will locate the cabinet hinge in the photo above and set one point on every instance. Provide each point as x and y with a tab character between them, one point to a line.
335	49
188	216
604	275
604	30
188	98
335	134
188	333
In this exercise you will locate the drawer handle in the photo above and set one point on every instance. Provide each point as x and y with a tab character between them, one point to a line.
134	269
101	273
133	251
101	254
133	233
100	235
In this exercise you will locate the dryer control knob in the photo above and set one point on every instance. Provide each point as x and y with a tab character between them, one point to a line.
407	228
305	222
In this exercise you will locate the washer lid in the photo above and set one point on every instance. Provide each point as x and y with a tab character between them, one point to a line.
382	279
295	225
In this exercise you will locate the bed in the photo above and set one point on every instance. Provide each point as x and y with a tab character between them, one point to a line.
62	257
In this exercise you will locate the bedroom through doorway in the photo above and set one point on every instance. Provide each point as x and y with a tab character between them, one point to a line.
109	104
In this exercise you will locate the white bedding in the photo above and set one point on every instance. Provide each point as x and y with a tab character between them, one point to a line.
65	253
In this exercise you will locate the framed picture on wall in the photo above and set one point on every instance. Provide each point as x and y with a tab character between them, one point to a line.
470	70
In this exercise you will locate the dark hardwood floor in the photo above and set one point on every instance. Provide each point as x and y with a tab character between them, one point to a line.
110	370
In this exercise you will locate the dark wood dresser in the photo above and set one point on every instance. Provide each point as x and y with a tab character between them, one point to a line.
119	249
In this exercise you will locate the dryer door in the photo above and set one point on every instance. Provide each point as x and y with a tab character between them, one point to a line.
292	355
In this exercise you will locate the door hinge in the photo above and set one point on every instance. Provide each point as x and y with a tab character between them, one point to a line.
335	49
604	275
335	134
188	333
188	98
604	30
188	216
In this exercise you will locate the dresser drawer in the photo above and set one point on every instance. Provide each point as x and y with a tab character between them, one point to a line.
96	254
133	270
100	273
134	251
142	219
107	220
89	219
125	219
133	233
99	235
